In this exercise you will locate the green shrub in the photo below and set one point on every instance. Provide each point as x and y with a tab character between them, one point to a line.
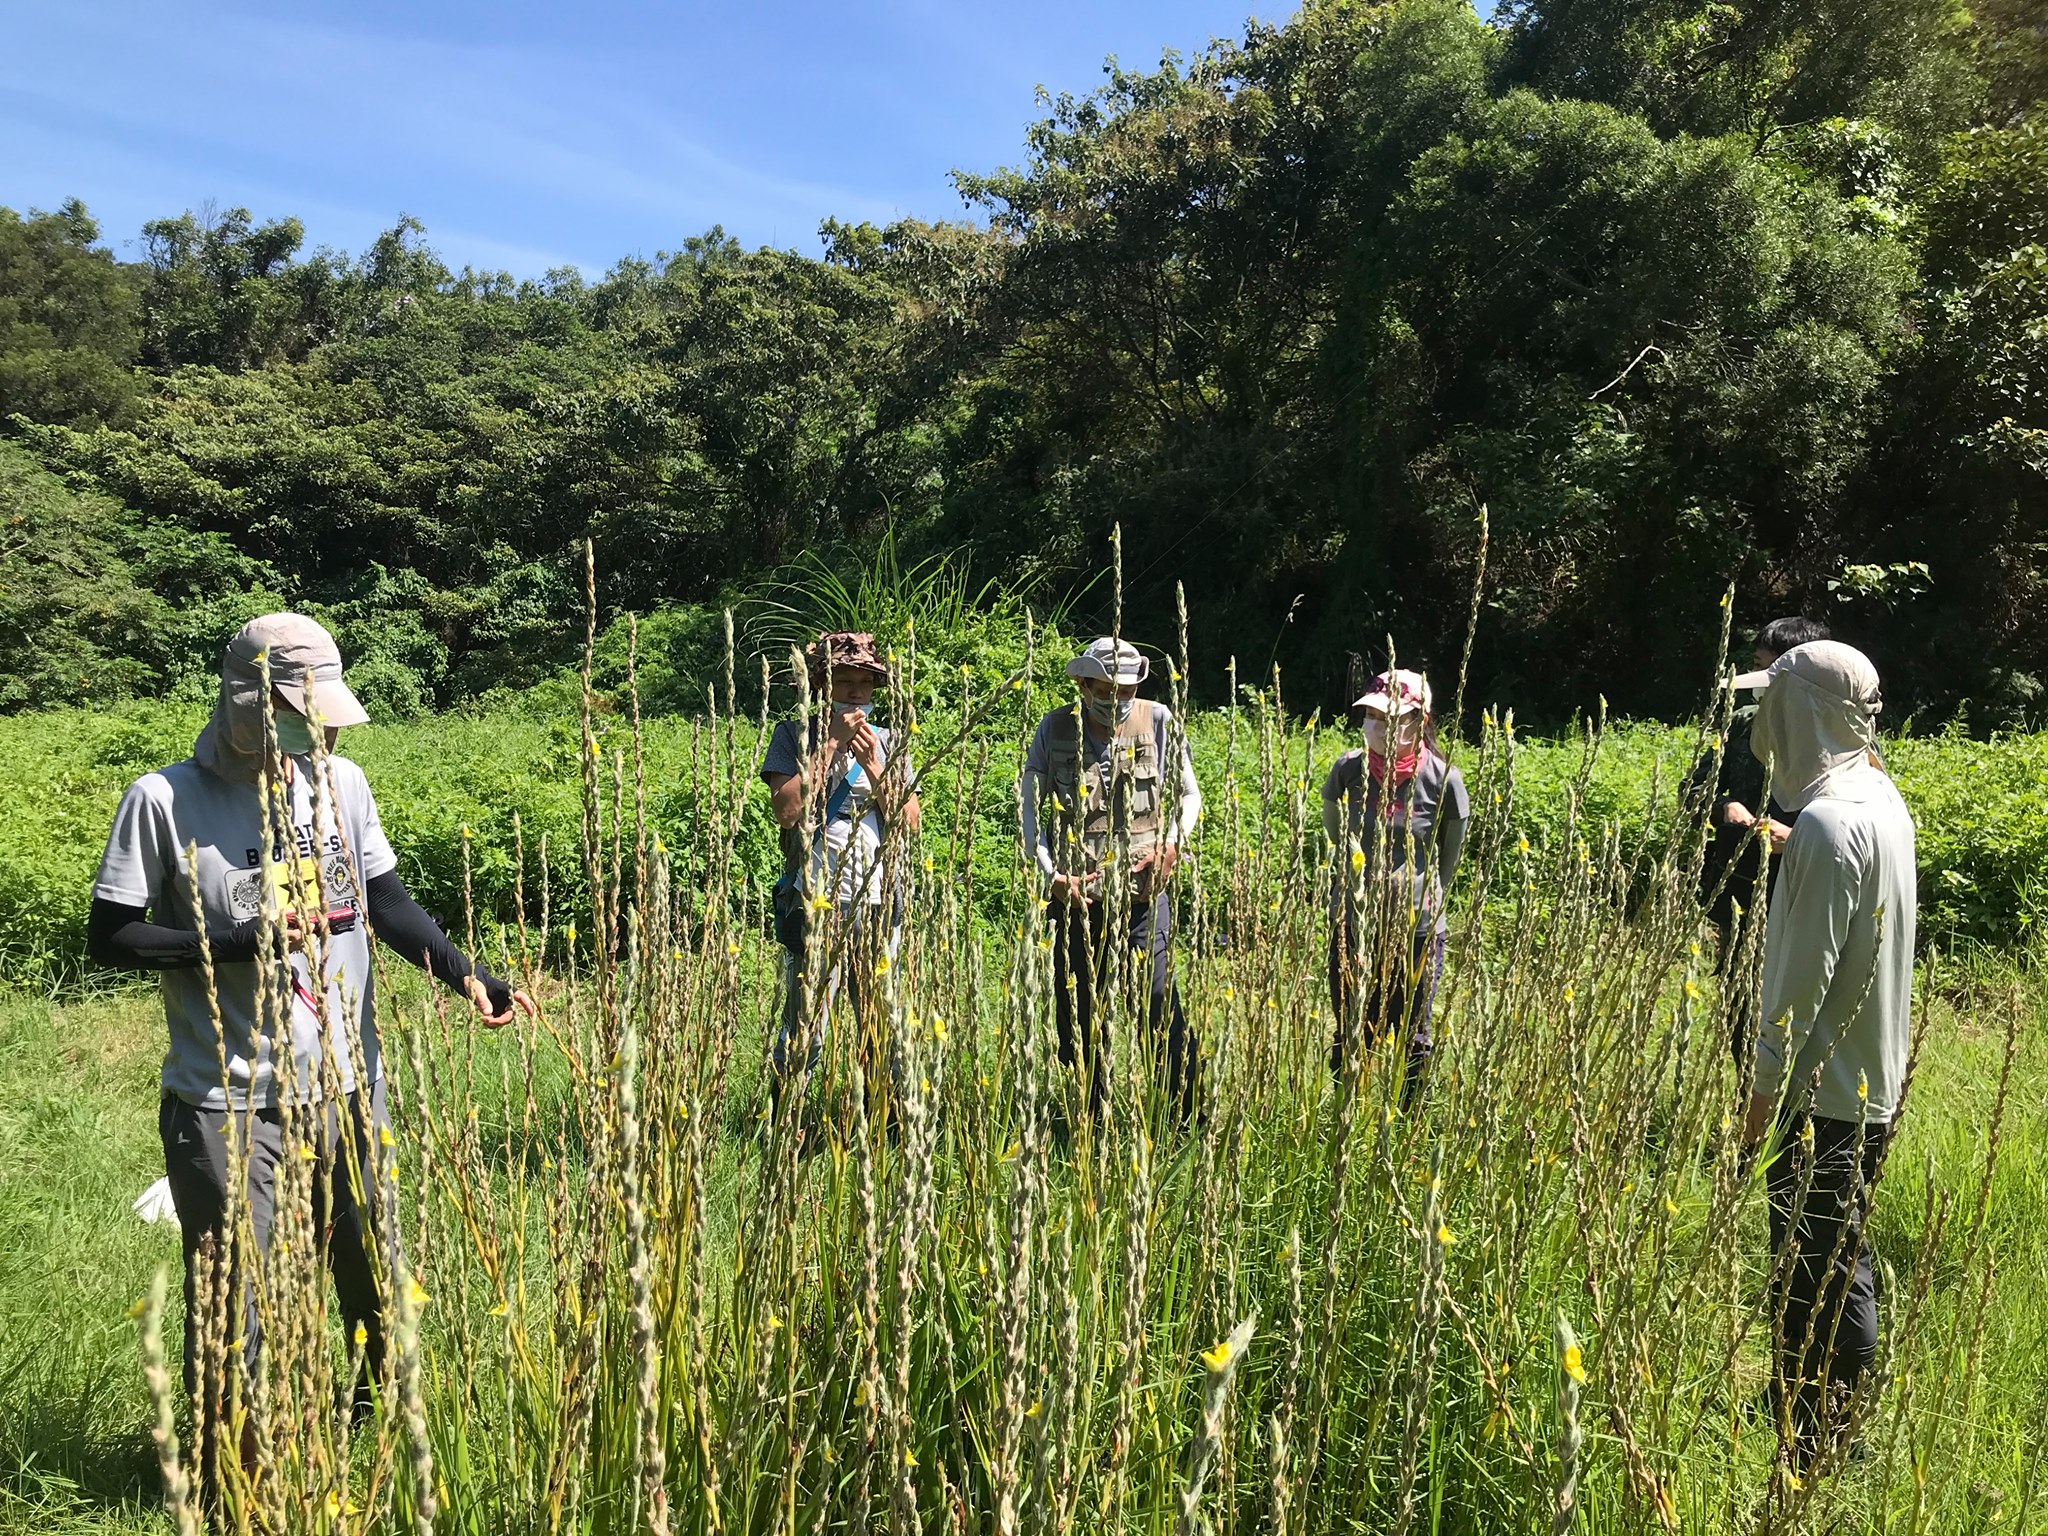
1980	807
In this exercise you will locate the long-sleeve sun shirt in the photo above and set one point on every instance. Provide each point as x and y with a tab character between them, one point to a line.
1838	951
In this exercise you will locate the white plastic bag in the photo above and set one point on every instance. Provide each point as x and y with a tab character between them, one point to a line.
154	1204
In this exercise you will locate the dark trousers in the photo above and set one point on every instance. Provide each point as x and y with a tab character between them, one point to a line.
196	1159
1080	955
1386	998
1824	1301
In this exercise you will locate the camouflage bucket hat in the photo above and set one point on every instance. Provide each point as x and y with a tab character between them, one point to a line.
844	648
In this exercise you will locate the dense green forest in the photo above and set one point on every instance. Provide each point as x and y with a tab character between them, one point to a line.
1684	294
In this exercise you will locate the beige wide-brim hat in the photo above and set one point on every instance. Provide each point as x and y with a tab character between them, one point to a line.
1112	661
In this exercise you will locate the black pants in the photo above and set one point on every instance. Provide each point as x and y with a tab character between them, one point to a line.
196	1159
1386	998
1080	954
1824	1306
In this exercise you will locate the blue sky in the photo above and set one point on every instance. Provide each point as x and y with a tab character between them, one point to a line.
526	135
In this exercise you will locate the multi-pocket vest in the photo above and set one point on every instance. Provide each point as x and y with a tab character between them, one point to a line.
1102	803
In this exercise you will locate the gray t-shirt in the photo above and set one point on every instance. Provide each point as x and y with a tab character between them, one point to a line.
144	866
846	861
1418	837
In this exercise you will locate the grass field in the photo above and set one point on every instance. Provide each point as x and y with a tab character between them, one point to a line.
1552	1128
631	1294
78	1142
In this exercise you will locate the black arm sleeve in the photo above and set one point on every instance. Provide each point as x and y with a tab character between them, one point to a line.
124	937
404	924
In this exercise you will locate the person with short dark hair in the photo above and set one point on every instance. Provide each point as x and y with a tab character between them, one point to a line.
1735	857
324	895
1837	998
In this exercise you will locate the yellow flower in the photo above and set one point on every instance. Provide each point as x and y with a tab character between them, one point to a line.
1217	1356
860	1395
829	1457
1670	1206
498	1310
1357	860
1570	991
1692	988
882	966
1034	1410
1444	1234
909	1458
774	1322
333	1498
465	838
141	1306
939	1030
732	949
416	1293
1575	1365
307	1154
1522	844
362	1336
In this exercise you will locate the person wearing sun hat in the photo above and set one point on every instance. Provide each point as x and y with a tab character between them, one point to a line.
1106	777
833	797
231	1053
1836	1027
1395	811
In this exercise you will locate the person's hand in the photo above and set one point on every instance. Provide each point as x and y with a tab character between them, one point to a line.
1158	863
1757	1123
1778	832
295	932
1736	814
866	749
480	999
1074	890
843	725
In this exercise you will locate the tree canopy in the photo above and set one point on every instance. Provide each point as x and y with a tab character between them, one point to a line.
1686	295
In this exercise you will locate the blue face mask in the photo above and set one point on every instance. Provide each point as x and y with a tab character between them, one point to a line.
294	734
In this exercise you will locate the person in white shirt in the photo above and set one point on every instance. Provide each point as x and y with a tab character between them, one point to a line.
1106	775
1836	1029
834	797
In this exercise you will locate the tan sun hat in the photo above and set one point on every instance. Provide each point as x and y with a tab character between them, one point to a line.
297	647
1112	661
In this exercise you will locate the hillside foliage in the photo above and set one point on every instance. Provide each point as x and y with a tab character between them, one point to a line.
1685	294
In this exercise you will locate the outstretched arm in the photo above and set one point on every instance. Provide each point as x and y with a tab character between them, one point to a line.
404	924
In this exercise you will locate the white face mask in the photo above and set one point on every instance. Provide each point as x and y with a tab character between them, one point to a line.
839	709
1376	734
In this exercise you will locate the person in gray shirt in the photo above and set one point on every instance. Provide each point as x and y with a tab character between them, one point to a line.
1395	812
1836	1029
327	889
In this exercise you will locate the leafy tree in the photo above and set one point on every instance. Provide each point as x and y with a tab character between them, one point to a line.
69	320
